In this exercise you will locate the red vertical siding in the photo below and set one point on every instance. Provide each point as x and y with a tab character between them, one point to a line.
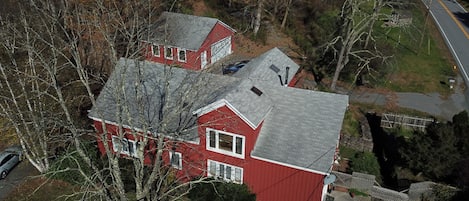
270	182
193	61
192	165
192	58
218	32
113	130
224	119
293	81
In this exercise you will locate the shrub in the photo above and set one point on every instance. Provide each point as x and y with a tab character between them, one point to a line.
365	162
67	166
219	191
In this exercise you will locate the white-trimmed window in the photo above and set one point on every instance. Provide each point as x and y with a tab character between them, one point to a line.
124	146
182	55
175	158
224	171
225	143
168	52
155	49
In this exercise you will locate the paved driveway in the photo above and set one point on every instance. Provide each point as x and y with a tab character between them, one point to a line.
16	177
433	103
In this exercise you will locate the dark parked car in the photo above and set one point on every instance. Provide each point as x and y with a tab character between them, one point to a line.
9	158
233	68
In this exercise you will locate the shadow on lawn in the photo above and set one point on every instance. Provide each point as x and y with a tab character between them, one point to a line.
385	148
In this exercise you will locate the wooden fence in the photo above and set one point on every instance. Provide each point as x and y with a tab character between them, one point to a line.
396	120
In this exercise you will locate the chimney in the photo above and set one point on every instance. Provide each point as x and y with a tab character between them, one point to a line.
286	75
281	81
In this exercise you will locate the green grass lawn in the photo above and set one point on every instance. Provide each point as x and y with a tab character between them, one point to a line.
351	125
421	61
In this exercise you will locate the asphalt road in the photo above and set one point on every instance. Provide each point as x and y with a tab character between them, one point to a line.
15	177
453	23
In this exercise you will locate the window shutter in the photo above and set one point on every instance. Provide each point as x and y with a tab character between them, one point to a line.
228	172
239	145
213	168
212	138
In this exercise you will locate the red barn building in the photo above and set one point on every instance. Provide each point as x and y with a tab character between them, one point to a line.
191	42
247	128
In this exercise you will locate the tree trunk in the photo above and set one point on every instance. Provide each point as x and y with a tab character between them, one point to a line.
257	22
338	68
376	10
285	16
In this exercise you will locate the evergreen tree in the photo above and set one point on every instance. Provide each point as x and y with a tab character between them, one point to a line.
433	152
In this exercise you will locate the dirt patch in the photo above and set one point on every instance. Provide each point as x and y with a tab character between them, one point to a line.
245	47
275	38
40	188
199	7
342	166
305	80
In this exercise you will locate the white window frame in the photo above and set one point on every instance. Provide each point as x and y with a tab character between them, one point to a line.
179	56
179	165
222	151
153	50
132	145
232	177
166	52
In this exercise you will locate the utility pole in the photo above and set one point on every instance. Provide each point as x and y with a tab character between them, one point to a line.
425	25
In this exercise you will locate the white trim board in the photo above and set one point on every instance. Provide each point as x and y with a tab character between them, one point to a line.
140	130
289	165
220	103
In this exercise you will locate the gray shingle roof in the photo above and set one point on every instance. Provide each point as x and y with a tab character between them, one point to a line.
252	106
258	69
181	30
147	95
301	127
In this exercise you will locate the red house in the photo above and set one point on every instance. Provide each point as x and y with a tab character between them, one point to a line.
247	128
189	41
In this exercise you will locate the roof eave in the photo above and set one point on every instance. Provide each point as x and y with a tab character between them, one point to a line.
222	102
289	165
226	26
138	129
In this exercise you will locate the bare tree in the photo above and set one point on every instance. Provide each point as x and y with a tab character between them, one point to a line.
378	4
258	16
285	15
356	28
24	99
279	9
47	80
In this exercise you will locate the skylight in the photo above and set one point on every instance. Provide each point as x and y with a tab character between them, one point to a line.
274	68
257	91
